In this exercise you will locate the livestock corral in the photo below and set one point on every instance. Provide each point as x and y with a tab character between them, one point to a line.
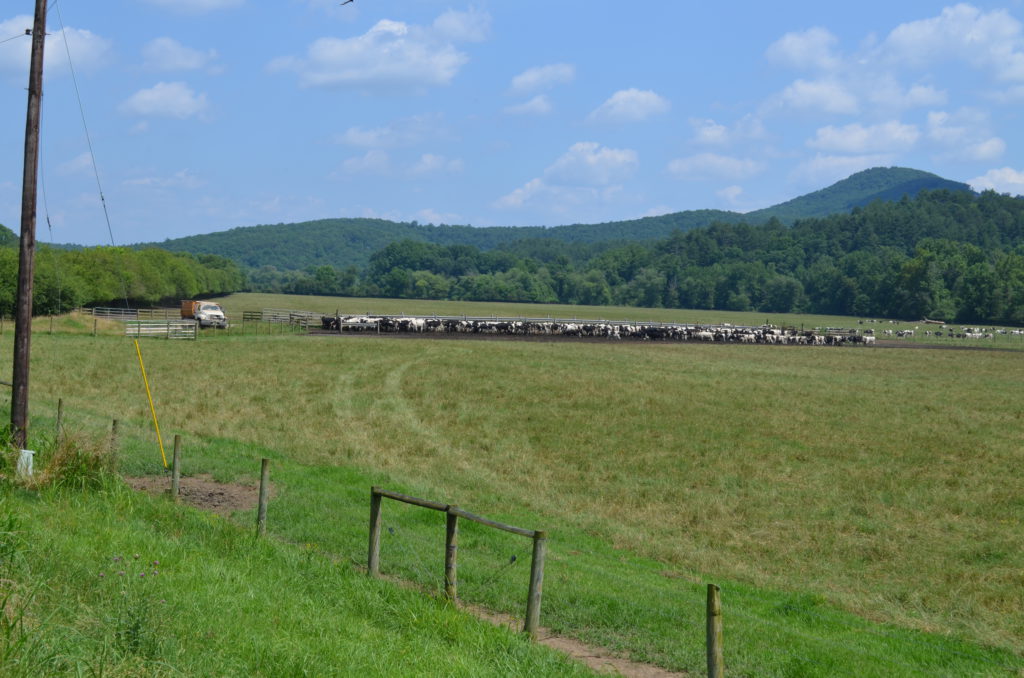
603	329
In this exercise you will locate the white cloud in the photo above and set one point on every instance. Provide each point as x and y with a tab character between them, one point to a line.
392	55
707	165
856	138
630	105
431	216
587	172
374	161
430	163
521	195
166	99
196	6
884	91
167	54
471	26
180	179
730	194
811	49
709	132
88	50
657	211
403	132
829	96
543	77
1004	180
557	199
989	149
990	40
77	165
538	105
924	95
941	129
822	170
588	163
965	134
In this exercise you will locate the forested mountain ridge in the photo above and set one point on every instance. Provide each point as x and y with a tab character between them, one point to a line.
857	190
87	276
351	242
949	255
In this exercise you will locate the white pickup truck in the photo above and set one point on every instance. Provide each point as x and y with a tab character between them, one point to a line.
206	313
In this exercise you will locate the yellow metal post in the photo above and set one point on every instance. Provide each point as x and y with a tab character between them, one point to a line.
152	409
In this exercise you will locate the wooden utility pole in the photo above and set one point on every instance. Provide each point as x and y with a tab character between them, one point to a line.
26	257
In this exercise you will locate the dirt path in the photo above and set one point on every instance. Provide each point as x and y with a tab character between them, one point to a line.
204	493
598	659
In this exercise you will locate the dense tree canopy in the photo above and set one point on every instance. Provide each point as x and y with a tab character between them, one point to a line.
949	255
67	279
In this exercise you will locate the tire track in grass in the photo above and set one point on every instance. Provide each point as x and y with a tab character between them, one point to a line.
601	660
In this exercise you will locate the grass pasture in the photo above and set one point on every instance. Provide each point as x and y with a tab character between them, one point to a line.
861	508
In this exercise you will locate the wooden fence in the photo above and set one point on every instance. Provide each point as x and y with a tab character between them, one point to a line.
280	315
168	329
453	514
134	313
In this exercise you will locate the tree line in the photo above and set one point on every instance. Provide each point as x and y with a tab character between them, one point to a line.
67	279
949	255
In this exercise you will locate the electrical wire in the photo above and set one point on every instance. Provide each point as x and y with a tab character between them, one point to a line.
88	140
15	37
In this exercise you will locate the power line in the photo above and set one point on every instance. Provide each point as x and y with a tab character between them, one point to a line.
88	140
46	211
26	34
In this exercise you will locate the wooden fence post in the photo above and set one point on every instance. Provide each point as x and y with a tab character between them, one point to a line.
115	427
176	469
373	558
536	584
95	322
716	665
60	420
261	513
451	548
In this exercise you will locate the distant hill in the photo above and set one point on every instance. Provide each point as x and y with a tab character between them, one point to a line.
857	190
351	242
8	238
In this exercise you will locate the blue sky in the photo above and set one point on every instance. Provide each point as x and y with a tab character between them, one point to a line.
206	115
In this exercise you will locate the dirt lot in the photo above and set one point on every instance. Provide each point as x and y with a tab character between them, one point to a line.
203	492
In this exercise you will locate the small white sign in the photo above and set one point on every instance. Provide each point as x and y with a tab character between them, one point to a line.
25	463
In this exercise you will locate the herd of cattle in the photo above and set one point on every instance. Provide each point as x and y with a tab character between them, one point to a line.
765	334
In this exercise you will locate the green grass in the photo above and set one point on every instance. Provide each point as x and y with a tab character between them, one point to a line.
214	601
860	508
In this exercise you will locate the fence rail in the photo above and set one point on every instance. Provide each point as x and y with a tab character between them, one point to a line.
452	514
168	329
291	317
134	313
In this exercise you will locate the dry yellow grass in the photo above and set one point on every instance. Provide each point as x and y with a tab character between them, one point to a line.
887	481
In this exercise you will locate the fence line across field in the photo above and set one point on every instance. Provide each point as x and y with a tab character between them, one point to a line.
134	313
452	515
168	329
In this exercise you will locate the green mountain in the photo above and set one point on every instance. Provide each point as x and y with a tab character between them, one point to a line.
351	242
857	190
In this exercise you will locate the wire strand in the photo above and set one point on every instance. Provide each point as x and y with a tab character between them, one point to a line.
46	211
15	37
88	140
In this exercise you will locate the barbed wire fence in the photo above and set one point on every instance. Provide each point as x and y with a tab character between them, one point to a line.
808	636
